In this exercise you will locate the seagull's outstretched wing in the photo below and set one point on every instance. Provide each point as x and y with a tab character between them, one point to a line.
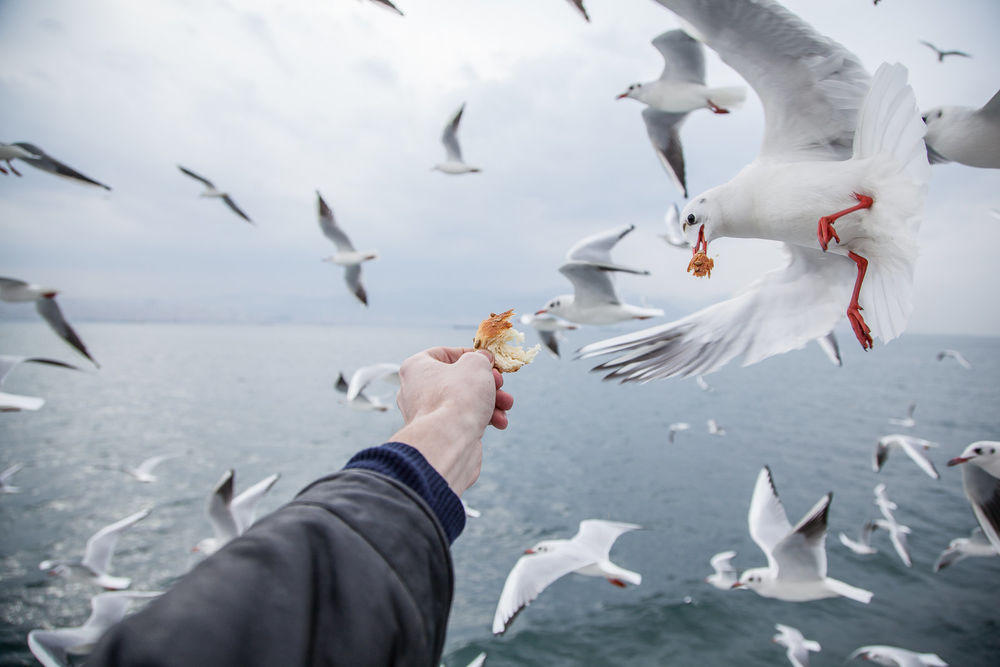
41	160
236	209
328	225
51	313
663	128
204	181
683	57
450	136
101	545
766	518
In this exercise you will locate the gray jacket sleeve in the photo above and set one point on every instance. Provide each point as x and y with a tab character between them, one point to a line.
355	571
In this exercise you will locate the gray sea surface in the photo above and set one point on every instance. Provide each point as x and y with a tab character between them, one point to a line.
260	399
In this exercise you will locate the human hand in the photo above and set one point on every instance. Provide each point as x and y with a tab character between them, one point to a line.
448	396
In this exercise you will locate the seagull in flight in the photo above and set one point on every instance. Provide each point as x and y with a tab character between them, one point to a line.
956	355
454	164
914	448
16	402
964	134
980	463
7	473
212	191
960	548
10	152
941	53
97	555
724	575
346	256
13	290
907	421
34	156
893	655
230	517
798	647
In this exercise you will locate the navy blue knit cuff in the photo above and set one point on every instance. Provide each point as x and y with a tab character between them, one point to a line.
407	465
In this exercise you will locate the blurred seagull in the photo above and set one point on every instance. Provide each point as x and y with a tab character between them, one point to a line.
212	191
16	402
346	256
907	421
231	516
364	376
10	152
964	135
796	556
362	401
703	383
7	473
96	559
388	5
595	300
549	328
798	646
863	545
587	553
675	427
674	235
941	53
897	534
579	5
960	548
13	290
724	575
454	163
39	159
956	355
914	448
981	481
144	471
832	132
899	657
52	648
714	428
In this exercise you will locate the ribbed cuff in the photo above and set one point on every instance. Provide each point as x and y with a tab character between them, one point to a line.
407	465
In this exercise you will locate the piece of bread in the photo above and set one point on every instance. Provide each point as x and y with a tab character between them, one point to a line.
499	336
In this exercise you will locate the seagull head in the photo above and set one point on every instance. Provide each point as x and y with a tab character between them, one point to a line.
753	578
633	91
556	306
701	217
977	451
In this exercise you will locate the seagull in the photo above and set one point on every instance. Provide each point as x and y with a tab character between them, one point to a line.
39	159
981	481
703	383
579	5
470	512
212	191
7	473
677	426
96	559
832	132
587	553
907	421
388	5
897	534
912	446
144	471
361	378
796	556
899	657
231	516
956	355
595	300
714	428
454	163
964	135
941	53
862	545
679	90
16	402
549	328
885	506
961	548
346	256
52	648
10	152
798	646
674	235
362	401
831	349
725	574
13	290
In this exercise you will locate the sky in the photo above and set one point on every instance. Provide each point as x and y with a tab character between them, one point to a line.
275	101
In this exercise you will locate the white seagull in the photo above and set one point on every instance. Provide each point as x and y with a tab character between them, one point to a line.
364	376
965	135
212	191
144	471
956	355
798	646
39	159
7	473
16	402
674	428
97	555
52	648
914	448
13	290
231	516
960	548
833	137
549	328
674	235
897	534
595	300
907	421
453	163
346	256
796	556
863	545
897	657
980	463
586	553
362	401
714	428
724	575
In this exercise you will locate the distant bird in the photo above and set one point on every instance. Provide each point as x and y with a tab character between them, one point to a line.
941	53
702	383
587	553
914	448
674	235
675	428
346	256
470	512
897	535
144	471
714	428
453	163
981	481
964	135
16	402
13	290
862	545
388	5
212	191
885	506
362	401
956	355
52	648
831	349
796	556
97	556
549	328
725	574
39	159
595	300
960	548
10	152
230	517
7	473
579	5
798	646
907	421
898	657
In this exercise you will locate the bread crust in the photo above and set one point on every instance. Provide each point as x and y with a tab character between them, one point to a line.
498	335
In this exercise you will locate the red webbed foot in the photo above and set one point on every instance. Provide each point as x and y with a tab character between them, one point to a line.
861	329
716	108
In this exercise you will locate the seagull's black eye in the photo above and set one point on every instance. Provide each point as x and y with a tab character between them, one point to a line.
978	450
691	218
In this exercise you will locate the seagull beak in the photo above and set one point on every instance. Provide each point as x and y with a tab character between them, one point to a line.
529	551
621	97
736	585
541	312
959	459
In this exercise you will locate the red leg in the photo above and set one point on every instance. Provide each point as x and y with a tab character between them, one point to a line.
861	329
825	231
3	170
16	172
616	582
715	107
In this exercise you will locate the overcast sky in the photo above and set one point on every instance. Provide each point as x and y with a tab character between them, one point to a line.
275	100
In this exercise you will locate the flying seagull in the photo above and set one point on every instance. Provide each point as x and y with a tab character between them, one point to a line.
549	328
230	517
941	53
16	402
454	164
10	152
346	256
914	448
956	355
960	548
798	647
7	473
13	290
212	191
893	655
724	575
96	559
965	135
980	463
39	159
